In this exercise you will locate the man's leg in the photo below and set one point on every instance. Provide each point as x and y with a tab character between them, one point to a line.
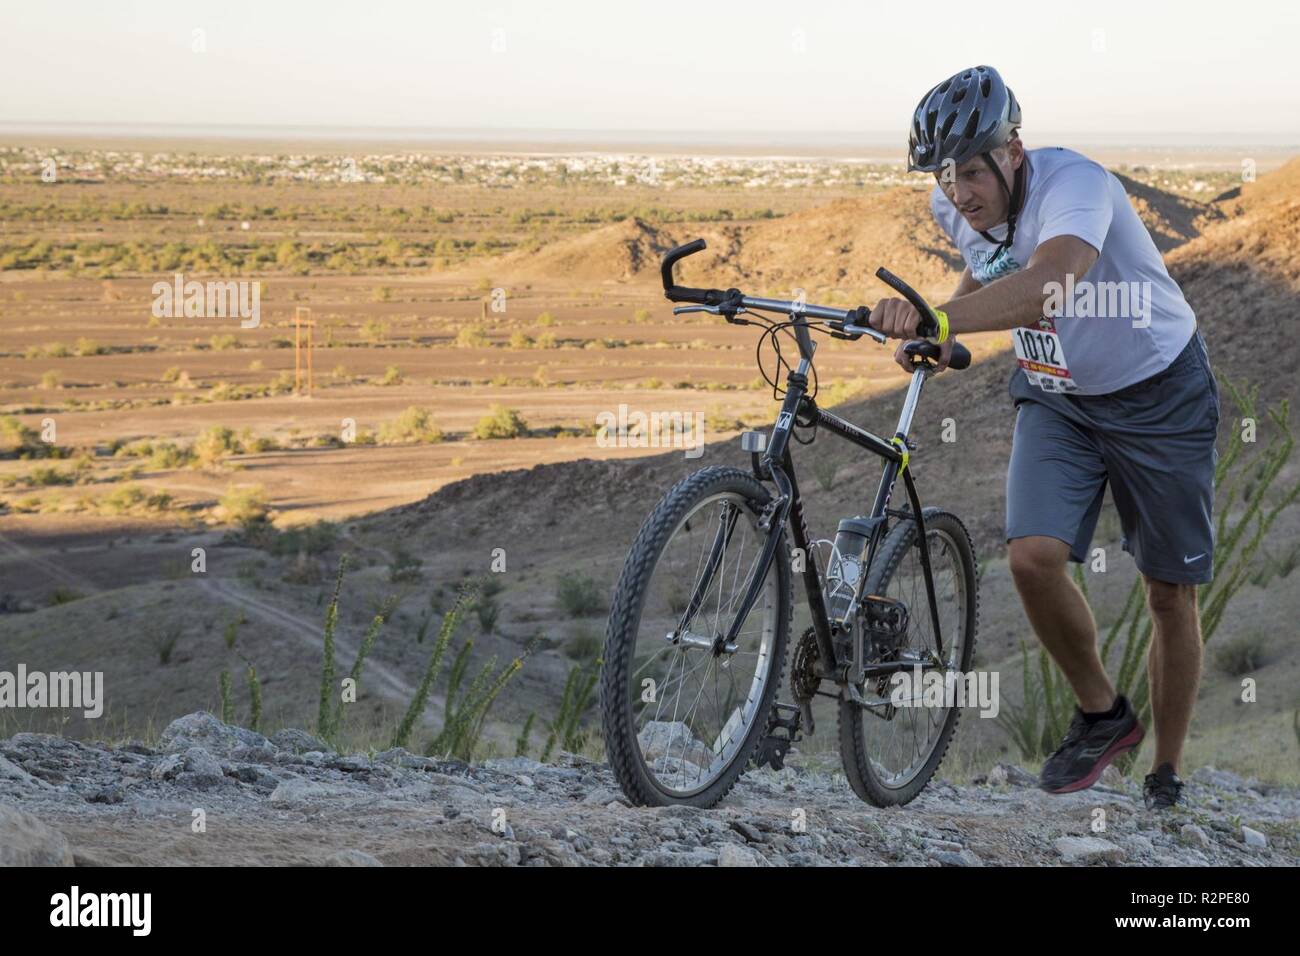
1173	666
1060	616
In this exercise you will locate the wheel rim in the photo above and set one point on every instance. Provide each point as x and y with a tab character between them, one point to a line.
701	704
899	747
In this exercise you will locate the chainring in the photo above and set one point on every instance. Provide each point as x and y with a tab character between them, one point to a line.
805	674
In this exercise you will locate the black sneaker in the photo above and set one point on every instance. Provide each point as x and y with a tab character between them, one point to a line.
1162	789
1088	748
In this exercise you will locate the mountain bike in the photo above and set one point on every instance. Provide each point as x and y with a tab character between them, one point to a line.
696	642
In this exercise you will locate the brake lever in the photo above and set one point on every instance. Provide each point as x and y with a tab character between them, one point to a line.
728	314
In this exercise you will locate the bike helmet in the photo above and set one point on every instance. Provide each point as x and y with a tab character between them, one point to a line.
970	113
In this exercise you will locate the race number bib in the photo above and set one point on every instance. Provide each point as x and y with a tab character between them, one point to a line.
1039	352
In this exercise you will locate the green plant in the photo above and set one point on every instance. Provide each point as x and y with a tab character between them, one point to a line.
214	444
824	468
501	422
392	376
330	718
327	650
255	696
246	507
415	424
312	539
165	642
231	632
566	727
227	701
472	337
521	742
583	645
487	610
1241	655
62	596
405	567
467	712
433	668
579	595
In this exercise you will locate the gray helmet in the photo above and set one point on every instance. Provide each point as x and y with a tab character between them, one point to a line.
967	114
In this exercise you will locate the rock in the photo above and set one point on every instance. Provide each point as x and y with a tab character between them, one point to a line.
749	832
12	772
964	858
514	764
298	790
672	740
397	757
1223	779
733	854
169	768
1192	835
255	776
1141	844
353	764
1253	838
1087	850
111	794
1005	774
265	753
937	845
201	770
299	741
26	841
1111	776
351	858
206	731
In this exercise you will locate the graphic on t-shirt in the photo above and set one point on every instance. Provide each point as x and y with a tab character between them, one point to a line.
986	266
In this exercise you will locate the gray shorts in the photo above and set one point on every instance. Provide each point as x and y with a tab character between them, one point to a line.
1152	441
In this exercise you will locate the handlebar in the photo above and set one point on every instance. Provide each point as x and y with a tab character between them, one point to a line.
843	323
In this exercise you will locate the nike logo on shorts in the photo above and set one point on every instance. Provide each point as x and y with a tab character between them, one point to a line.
1195	557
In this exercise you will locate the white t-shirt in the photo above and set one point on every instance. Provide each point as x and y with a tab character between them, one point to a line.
1125	320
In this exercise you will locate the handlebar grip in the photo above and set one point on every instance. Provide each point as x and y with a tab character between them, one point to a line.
680	293
929	324
670	259
960	357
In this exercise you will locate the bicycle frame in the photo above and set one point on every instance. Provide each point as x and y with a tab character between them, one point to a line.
773	460
778	463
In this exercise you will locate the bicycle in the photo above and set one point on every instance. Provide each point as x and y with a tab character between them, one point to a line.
696	641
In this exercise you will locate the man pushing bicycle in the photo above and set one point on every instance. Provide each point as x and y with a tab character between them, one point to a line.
1112	386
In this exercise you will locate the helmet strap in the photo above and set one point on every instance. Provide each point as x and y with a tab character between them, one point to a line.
1016	197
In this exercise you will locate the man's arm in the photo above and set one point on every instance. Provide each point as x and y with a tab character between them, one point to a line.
1017	299
1008	303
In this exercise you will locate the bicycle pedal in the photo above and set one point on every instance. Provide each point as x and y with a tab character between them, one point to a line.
772	748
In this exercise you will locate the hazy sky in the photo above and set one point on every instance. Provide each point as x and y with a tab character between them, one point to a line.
1121	68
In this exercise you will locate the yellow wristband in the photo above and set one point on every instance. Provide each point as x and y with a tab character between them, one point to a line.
943	325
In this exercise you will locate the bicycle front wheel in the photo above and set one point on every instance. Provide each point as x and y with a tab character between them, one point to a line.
683	709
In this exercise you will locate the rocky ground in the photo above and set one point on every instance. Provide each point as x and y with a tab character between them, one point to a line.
215	794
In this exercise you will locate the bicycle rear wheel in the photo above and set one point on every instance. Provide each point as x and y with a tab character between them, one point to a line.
682	713
890	753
